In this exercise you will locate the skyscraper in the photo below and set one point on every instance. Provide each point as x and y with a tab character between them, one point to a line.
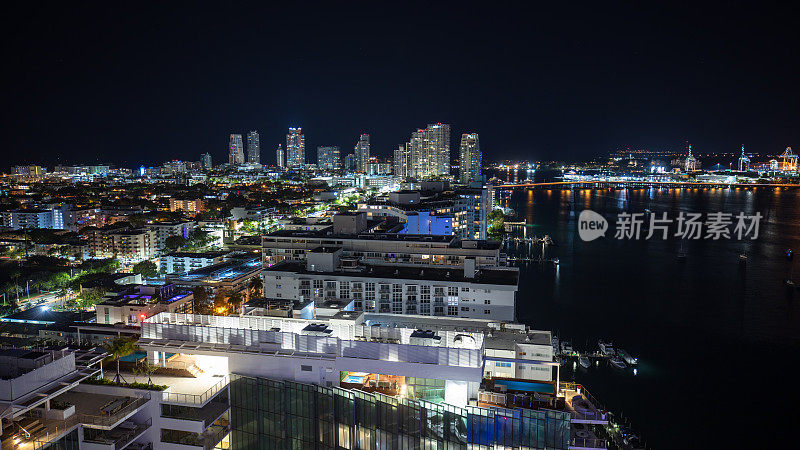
205	161
295	148
470	158
429	151
361	152
280	158
329	158
401	161
236	150
350	162
253	148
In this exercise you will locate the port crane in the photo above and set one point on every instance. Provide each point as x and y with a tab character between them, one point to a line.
789	160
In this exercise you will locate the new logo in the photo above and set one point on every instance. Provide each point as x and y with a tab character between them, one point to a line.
591	225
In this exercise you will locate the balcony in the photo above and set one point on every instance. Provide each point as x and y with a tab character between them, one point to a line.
209	439
94	411
191	391
119	437
582	405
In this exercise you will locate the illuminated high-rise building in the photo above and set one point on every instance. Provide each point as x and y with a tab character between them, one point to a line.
329	158
470	158
280	157
402	161
429	151
253	148
205	161
350	162
236	150
295	148
361	152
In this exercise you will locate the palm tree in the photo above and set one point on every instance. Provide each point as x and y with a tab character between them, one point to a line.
145	368
119	348
257	286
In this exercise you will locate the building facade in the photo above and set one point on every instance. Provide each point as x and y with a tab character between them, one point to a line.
127	244
361	152
295	148
190	206
205	161
470	159
429	291
280	158
163	230
329	158
235	150
253	148
429	151
187	261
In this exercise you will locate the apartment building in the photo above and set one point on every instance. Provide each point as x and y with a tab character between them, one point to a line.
188	261
163	230
381	247
134	305
48	400
127	244
431	291
192	206
359	380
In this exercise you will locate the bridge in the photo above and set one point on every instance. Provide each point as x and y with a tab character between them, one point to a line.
644	183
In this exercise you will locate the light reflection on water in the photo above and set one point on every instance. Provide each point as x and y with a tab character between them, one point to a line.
705	321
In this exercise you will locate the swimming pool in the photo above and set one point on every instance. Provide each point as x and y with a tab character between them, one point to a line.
525	386
354	379
136	356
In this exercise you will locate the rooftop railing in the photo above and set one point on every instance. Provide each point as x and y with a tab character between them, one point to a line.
195	399
587	443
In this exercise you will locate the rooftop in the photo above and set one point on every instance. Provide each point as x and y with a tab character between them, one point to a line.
210	254
388	236
229	270
503	277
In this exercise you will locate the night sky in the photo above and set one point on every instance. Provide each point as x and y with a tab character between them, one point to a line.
145	83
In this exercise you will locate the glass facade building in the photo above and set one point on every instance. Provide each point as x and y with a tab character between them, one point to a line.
273	414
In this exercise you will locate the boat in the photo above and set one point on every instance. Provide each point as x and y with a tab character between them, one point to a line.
566	348
606	347
618	362
585	362
743	259
627	357
555	261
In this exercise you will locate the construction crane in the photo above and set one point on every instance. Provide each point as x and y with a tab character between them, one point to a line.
789	160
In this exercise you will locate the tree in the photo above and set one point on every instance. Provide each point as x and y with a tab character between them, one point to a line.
148	269
118	348
89	297
174	242
145	368
497	225
234	302
256	286
200	303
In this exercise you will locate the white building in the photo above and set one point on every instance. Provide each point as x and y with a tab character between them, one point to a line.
163	230
382	247
187	261
134	305
429	291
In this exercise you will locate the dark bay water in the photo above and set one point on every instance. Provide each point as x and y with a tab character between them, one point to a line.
717	343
